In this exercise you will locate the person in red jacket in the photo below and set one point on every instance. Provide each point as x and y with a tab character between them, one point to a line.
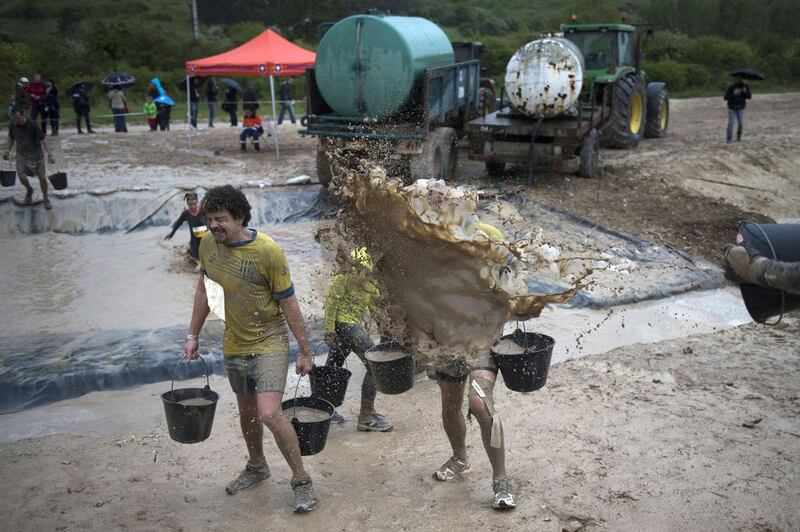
252	128
36	91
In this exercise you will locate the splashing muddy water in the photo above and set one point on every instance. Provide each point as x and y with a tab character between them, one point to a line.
447	287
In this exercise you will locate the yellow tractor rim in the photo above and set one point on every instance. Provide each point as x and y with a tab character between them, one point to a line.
662	115
636	113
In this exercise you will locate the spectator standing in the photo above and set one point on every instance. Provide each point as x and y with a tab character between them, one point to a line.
737	95
286	101
52	108
194	101
211	100
82	107
231	105
150	113
35	92
119	107
21	100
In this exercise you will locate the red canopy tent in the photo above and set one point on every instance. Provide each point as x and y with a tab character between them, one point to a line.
267	54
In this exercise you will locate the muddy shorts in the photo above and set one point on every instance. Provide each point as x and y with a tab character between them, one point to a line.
458	370
30	167
252	374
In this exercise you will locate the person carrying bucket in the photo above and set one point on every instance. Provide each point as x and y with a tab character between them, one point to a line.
349	296
259	303
197	224
479	379
29	140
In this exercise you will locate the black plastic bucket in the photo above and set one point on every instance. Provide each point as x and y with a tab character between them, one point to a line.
8	178
311	435
526	371
59	180
395	375
775	241
329	383
188	422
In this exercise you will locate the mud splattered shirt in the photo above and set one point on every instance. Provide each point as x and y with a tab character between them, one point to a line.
347	299
254	275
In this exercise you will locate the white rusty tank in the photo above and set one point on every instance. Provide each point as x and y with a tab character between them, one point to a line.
544	77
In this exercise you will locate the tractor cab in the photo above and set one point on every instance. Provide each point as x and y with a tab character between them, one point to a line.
605	47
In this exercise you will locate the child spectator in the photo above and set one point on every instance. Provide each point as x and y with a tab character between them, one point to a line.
252	128
150	112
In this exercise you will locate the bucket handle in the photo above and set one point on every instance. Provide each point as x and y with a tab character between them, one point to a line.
316	349
774	257
172	388
294	404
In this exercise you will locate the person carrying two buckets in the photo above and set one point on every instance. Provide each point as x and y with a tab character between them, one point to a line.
479	379
349	296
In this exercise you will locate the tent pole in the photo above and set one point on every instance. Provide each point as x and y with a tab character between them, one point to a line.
274	116
188	113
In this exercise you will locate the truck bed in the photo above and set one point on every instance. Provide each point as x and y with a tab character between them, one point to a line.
507	122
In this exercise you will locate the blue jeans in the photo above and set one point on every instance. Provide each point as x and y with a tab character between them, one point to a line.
284	107
249	132
738	115
212	112
193	107
119	120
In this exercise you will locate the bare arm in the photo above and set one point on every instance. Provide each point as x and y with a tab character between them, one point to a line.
9	145
297	324
200	312
46	147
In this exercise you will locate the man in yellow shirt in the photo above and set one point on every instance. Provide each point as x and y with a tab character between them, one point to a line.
259	303
349	296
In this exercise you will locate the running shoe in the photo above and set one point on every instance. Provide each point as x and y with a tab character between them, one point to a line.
250	476
504	498
376	424
304	499
337	418
451	469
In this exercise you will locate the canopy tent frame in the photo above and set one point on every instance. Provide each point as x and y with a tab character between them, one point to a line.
267	54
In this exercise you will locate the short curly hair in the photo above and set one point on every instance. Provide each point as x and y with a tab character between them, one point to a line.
227	198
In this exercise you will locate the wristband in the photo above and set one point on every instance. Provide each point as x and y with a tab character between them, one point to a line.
191	337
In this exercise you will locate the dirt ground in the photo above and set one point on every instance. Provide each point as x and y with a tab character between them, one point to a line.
697	433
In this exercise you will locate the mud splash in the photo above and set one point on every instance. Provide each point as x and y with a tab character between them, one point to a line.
447	288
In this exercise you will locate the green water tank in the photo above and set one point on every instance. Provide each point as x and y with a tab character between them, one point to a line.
370	65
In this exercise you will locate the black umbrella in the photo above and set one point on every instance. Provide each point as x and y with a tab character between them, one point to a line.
228	82
748	73
122	80
74	87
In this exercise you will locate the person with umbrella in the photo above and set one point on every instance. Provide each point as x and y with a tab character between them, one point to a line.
119	107
737	95
81	104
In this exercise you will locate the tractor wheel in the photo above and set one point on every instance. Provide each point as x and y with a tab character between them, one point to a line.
324	171
629	103
439	156
590	153
495	168
657	111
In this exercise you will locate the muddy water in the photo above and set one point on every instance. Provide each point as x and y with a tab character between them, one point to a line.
196	401
305	414
385	356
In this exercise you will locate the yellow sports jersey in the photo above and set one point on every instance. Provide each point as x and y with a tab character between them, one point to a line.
254	275
347	299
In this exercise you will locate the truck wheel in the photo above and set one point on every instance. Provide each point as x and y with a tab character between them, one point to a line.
439	156
590	151
495	168
657	111
324	172
626	125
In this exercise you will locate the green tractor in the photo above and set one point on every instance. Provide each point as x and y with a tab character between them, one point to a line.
613	59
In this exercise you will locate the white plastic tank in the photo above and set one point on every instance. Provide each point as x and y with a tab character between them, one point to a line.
544	77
